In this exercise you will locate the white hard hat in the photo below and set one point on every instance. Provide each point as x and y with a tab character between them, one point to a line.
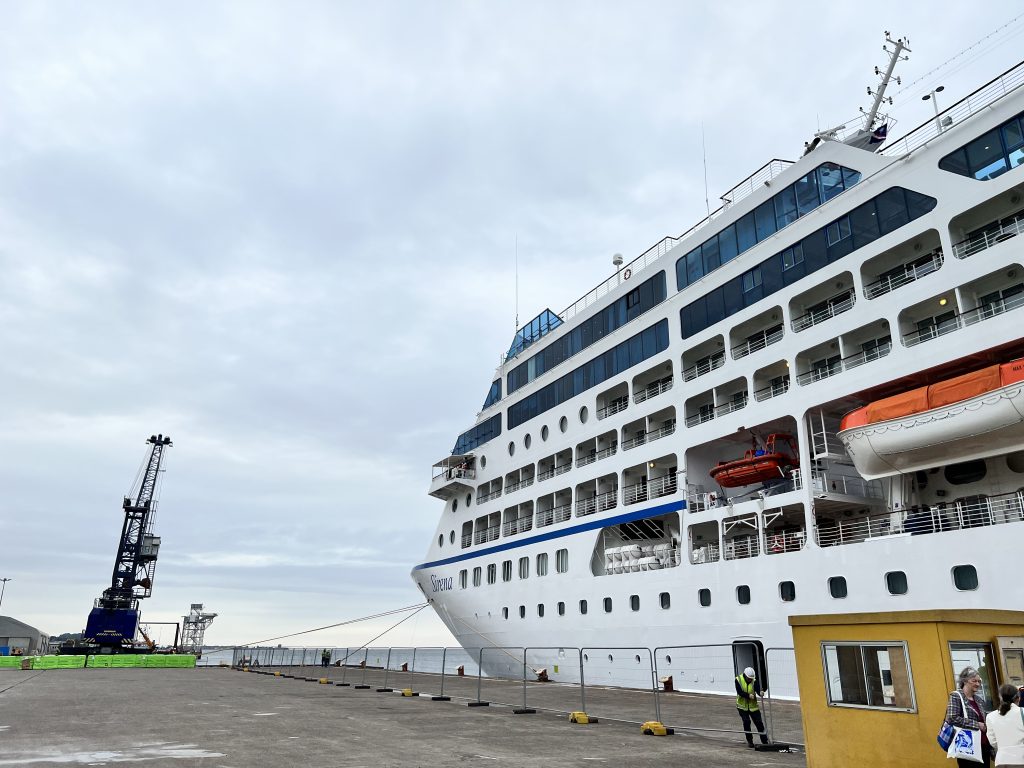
749	672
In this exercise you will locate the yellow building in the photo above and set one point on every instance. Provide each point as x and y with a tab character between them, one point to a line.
874	686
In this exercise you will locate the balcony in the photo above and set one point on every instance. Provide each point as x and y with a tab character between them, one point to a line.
452	477
772	390
484	497
820	372
701	417
838	304
734	404
758	342
707	365
467	540
742	547
910	272
665	485
598	503
991	235
554	515
868	355
490	533
653	390
788	541
631	494
510	487
615	406
992	309
709	553
513	527
932	331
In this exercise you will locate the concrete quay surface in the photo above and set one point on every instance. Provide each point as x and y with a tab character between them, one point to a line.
217	717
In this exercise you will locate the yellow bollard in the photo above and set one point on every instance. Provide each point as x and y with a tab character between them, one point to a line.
580	718
654	728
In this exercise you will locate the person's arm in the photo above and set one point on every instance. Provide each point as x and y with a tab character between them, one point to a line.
739	691
989	731
955	711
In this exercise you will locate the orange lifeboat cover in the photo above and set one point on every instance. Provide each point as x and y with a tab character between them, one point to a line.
963	387
903	404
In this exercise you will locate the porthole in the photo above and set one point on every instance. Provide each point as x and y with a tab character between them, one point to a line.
440	540
965	472
666	600
634	602
787	591
583	606
610	658
469	499
561	608
451	537
483	462
837	587
511	448
563	424
637	657
704	597
527	441
584	414
540	610
522	611
607	605
965	577
455	504
668	659
896	582
743	594
544	432
504	613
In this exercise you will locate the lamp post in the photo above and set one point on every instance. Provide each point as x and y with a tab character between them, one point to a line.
3	586
935	103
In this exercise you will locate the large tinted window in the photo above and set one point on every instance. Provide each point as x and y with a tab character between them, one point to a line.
630	352
991	154
478	435
864	224
646	295
816	188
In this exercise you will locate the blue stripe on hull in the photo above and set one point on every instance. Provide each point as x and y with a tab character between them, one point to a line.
590	526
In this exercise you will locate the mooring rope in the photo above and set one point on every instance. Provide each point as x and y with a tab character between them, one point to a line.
418	607
367	643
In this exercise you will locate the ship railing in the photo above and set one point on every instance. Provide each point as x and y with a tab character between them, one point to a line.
598	503
707	365
666	429
617	405
611	450
520	484
662	486
836	306
819	373
975	102
583	461
633	442
992	309
563	468
709	553
772	390
890	283
700	417
757	342
490	533
632	494
993	234
932	331
558	514
741	548
732	405
547	474
455	473
653	390
467	540
513	527
784	541
488	496
867	355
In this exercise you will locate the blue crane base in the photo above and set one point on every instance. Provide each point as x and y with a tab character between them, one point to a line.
112	626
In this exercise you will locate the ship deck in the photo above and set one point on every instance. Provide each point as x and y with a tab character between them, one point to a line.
218	716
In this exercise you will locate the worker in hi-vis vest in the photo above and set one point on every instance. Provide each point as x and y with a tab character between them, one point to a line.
747	691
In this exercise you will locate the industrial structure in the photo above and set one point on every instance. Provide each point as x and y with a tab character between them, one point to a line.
114	620
194	628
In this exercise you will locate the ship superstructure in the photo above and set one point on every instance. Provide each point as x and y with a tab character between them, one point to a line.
581	509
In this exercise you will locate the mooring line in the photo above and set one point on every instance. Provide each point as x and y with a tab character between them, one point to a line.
418	607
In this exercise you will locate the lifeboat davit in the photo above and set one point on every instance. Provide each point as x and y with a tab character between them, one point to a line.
773	462
973	416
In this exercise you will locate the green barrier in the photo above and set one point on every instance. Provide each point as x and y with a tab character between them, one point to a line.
149	661
10	662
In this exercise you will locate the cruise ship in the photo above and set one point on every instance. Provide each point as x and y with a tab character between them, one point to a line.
811	402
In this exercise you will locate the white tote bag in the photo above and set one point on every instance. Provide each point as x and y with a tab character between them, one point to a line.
966	744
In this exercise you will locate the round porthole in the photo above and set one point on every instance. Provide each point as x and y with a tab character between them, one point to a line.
455	504
668	659
610	658
584	413
544	432
440	540
483	462
511	448
451	537
563	423
527	440
469	499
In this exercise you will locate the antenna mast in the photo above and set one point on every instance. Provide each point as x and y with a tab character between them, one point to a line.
900	45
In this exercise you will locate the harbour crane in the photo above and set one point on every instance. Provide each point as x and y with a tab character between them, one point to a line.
114	620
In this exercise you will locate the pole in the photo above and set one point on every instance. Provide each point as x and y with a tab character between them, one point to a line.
3	587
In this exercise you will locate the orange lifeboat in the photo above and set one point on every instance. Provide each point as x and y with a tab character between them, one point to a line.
973	416
773	462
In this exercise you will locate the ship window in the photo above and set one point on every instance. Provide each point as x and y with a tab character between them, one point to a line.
492	573
607	605
451	537
561	608
792	256
463	575
583	606
440	540
469	499
455	503
506	570
563	424
743	594
584	414
965	577
837	587
524	567
562	560
511	448
467	533
807	198
838	230
666	599
896	582
785	208
965	472
527	440
540	610
704	597
542	564
477	575
544	432
875	675
504	613
751	279
634	602
522	611
787	591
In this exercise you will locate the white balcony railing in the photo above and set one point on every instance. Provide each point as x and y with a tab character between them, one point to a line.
488	496
836	306
559	514
598	503
760	341
911	273
993	234
617	405
653	390
934	331
772	390
707	365
785	541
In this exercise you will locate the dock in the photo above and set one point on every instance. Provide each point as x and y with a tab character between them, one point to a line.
226	717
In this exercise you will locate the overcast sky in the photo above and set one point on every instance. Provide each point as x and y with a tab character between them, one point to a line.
285	233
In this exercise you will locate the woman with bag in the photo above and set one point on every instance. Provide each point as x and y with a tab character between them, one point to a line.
1006	729
966	710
